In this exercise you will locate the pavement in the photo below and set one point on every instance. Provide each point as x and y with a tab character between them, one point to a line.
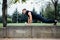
26	39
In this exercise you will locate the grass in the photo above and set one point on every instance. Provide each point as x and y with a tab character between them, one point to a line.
1	25
23	24
33	24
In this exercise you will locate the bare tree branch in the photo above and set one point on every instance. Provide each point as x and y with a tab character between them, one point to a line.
52	1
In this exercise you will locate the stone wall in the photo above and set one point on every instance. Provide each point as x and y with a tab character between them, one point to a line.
31	32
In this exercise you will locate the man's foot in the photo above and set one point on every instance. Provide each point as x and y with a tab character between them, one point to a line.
55	22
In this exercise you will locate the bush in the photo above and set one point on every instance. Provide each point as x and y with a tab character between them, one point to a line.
9	20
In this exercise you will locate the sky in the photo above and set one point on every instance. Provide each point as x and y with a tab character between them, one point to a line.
29	4
0	7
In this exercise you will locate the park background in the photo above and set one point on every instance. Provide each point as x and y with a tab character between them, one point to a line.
45	8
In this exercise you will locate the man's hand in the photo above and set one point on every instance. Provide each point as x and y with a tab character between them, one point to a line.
27	24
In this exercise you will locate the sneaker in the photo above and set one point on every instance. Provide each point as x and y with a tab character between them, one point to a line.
55	22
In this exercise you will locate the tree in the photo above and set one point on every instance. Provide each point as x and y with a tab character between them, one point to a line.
55	3
18	18
24	18
58	12
15	1
4	11
42	12
49	12
15	16
0	19
9	19
18	0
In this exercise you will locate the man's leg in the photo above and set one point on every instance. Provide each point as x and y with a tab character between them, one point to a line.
44	19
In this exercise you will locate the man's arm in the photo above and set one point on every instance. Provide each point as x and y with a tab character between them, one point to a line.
29	18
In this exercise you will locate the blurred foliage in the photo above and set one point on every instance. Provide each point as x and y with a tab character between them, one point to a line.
9	20
49	12
0	19
15	1
58	13
18	17
23	0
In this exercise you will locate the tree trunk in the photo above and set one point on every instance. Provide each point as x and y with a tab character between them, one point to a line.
4	12
56	11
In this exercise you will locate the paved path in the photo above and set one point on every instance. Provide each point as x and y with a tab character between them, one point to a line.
25	39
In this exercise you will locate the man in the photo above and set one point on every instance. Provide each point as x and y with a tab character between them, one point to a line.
31	16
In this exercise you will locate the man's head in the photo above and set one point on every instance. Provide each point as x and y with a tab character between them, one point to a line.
24	11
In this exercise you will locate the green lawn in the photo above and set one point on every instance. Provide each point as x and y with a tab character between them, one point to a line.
1	25
33	24
23	24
